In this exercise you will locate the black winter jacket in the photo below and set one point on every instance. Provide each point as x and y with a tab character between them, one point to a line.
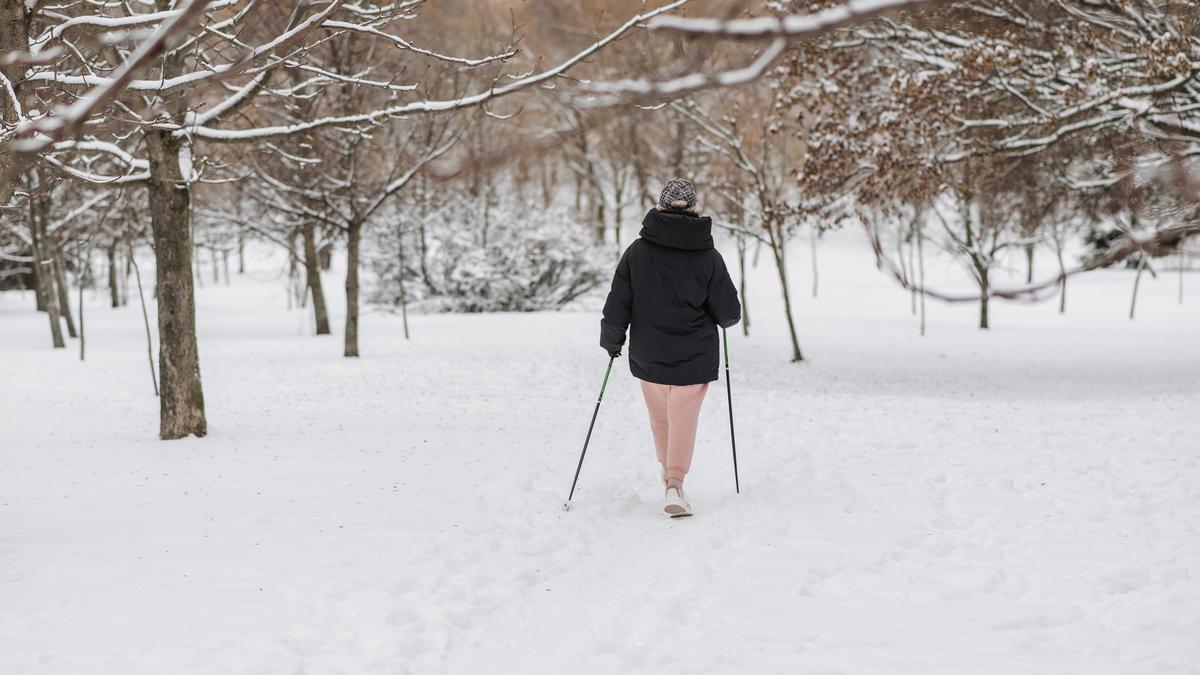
672	286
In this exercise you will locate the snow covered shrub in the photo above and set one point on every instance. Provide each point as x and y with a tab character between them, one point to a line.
527	259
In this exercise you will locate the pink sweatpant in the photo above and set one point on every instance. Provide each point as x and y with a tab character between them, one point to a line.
674	412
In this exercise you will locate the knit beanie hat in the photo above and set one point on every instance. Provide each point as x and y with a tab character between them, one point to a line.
679	194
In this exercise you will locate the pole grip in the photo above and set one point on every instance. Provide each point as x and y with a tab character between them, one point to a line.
607	372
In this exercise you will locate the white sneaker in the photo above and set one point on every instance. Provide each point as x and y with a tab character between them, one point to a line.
676	505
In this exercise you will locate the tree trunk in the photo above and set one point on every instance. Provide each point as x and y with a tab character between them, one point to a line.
215	266
64	293
51	302
114	292
1062	283
816	277
1137	281
682	138
14	39
37	271
403	290
780	265
422	213
241	254
312	271
912	265
921	272
600	213
181	399
642	181
225	264
876	244
45	278
196	266
617	215
39	297
145	320
12	164
82	337
741	246
292	272
487	219
1182	262
741	249
125	277
984	296
424	242
353	234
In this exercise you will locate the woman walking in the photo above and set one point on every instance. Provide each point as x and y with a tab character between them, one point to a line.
671	290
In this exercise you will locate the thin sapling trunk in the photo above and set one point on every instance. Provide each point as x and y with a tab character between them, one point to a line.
146	319
816	278
781	267
114	291
1062	282
82	338
1137	281
354	232
400	279
921	273
741	248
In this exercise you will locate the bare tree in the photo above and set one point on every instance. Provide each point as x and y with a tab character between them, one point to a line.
747	143
206	74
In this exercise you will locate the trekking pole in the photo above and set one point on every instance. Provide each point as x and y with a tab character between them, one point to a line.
729	396
567	505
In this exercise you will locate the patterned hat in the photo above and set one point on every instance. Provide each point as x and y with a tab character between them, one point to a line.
679	194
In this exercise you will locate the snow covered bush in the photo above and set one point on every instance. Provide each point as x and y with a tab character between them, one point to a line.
508	259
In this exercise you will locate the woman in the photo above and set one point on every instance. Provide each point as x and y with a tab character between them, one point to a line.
672	287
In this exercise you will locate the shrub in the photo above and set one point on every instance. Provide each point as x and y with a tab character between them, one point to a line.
532	260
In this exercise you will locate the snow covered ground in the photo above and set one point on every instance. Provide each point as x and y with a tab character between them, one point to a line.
1023	500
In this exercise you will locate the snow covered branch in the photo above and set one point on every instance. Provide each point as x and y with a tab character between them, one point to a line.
430	105
168	84
60	124
405	44
614	93
400	182
794	25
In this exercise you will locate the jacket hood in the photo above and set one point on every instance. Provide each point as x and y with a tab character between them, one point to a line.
678	229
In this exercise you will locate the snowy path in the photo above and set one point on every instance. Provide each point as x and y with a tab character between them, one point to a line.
1020	501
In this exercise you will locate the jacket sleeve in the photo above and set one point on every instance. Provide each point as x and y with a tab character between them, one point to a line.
618	308
722	303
